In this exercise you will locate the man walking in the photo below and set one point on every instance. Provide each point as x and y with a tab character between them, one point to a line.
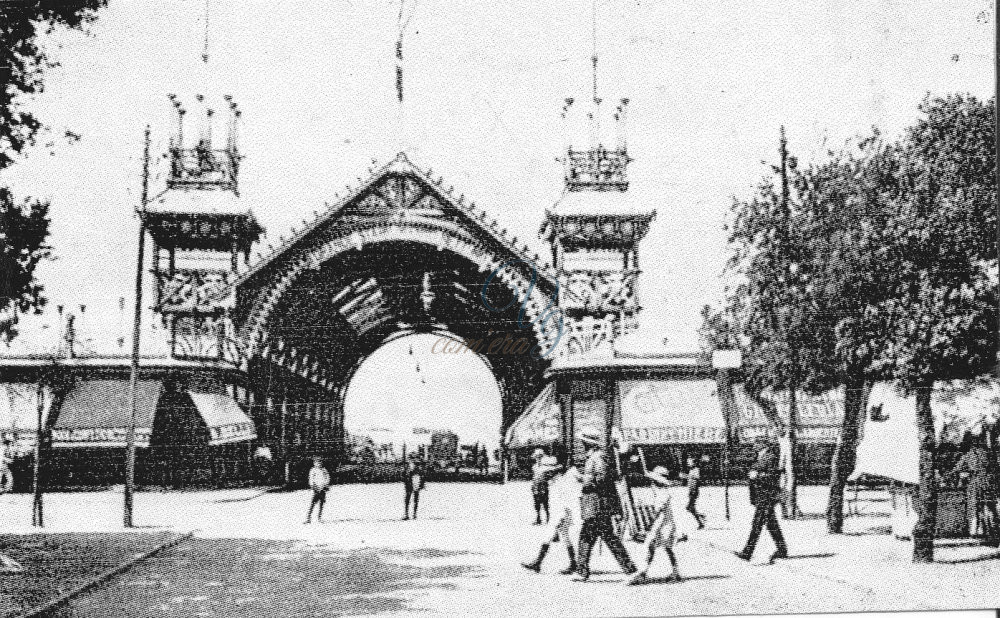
597	505
566	490
413	482
765	493
694	488
319	482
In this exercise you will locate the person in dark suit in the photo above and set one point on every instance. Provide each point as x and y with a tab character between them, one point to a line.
598	504
765	493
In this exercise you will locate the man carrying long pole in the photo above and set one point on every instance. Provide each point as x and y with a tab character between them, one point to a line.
133	393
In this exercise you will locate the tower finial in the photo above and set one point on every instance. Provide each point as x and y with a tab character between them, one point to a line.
204	50
593	57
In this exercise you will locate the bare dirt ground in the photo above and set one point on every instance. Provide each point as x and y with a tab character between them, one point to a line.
252	555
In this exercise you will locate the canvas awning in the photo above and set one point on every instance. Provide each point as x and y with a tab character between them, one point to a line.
19	412
96	413
750	417
672	411
224	417
819	417
819	420
541	423
889	446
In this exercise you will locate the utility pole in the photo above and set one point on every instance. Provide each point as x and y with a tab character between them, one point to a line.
37	514
133	395
996	132
791	501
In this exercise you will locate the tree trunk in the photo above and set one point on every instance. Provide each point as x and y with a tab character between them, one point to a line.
846	454
926	503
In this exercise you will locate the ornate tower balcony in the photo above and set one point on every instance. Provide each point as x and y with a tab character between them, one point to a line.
597	169
594	230
200	229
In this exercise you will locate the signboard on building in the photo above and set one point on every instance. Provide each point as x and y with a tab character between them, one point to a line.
672	411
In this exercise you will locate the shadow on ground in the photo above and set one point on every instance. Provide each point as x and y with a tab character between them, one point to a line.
874	531
253	577
667	580
56	563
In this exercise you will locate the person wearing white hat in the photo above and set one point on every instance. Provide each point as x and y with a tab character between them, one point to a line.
597	504
566	493
541	472
663	531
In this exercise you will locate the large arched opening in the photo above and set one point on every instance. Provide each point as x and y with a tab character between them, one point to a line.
399	261
425	394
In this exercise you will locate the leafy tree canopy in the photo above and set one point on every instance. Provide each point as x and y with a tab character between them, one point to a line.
23	61
24	224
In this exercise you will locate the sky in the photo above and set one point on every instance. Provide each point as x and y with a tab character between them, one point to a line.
710	84
425	384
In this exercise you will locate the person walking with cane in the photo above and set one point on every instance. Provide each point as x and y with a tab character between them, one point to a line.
319	482
765	493
597	505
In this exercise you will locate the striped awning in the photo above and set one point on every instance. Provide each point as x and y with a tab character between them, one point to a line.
541	423
819	417
96	413
671	411
19	412
226	420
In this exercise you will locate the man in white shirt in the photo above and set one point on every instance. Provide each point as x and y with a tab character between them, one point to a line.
566	491
319	482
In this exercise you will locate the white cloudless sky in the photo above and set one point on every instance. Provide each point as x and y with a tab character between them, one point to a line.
710	84
395	392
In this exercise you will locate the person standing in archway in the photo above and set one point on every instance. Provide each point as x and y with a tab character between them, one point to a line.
597	505
319	482
413	482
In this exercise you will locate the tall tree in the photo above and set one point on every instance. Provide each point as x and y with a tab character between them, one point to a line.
941	315
24	224
771	302
846	199
24	227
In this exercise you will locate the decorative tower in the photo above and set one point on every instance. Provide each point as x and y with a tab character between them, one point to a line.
594	230
200	229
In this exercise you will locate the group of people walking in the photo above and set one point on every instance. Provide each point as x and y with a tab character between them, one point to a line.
589	501
592	498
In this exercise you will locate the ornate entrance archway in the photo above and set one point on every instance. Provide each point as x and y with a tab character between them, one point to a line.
397	255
